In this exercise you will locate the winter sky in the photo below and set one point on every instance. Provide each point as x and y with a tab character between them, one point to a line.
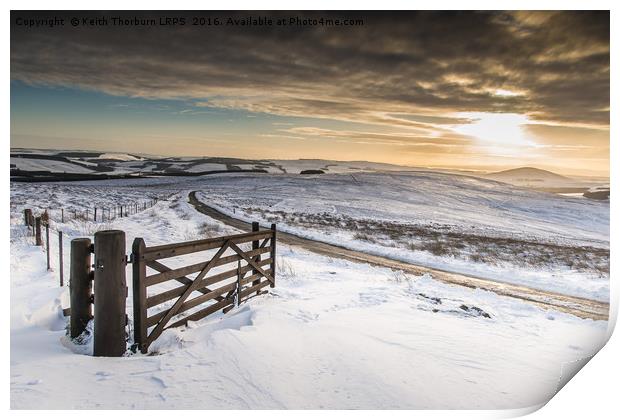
461	90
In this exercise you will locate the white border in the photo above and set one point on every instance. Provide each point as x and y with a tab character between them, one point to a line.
591	394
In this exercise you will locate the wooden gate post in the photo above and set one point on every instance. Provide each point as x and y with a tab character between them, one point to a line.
273	255
37	230
139	294
255	245
110	293
80	286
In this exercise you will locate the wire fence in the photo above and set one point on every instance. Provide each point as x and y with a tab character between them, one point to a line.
48	224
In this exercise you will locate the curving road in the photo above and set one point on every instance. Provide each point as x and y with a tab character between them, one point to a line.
581	307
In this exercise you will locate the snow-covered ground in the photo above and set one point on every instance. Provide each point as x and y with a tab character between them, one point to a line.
505	233
334	166
75	199
332	334
118	156
48	165
202	167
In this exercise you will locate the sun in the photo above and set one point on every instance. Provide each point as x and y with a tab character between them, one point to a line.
496	129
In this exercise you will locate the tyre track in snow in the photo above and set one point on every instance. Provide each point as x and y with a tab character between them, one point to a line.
581	307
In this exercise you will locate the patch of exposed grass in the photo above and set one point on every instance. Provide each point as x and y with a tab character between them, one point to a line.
208	229
285	268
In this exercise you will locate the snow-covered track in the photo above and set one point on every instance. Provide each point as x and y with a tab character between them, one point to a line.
581	307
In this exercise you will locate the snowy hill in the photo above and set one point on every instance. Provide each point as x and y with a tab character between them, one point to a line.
539	179
527	174
447	221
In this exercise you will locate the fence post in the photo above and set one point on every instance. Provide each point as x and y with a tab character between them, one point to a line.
62	215
47	244
95	215
239	275
110	293
273	255
37	229
27	213
255	245
61	268
139	294
80	286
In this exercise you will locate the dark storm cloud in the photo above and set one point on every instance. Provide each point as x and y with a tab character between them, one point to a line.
552	66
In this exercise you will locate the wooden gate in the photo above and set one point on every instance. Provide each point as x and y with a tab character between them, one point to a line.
204	293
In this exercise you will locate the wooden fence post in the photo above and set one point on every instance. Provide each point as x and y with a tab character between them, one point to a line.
80	286
273	255
255	245
62	215
95	215
139	294
27	213
37	229
238	291
47	245
110	293
61	268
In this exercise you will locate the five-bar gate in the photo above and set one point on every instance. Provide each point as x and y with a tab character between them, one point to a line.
207	292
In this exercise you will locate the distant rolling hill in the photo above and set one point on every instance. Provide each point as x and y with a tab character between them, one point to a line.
55	165
539	179
40	165
527	175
